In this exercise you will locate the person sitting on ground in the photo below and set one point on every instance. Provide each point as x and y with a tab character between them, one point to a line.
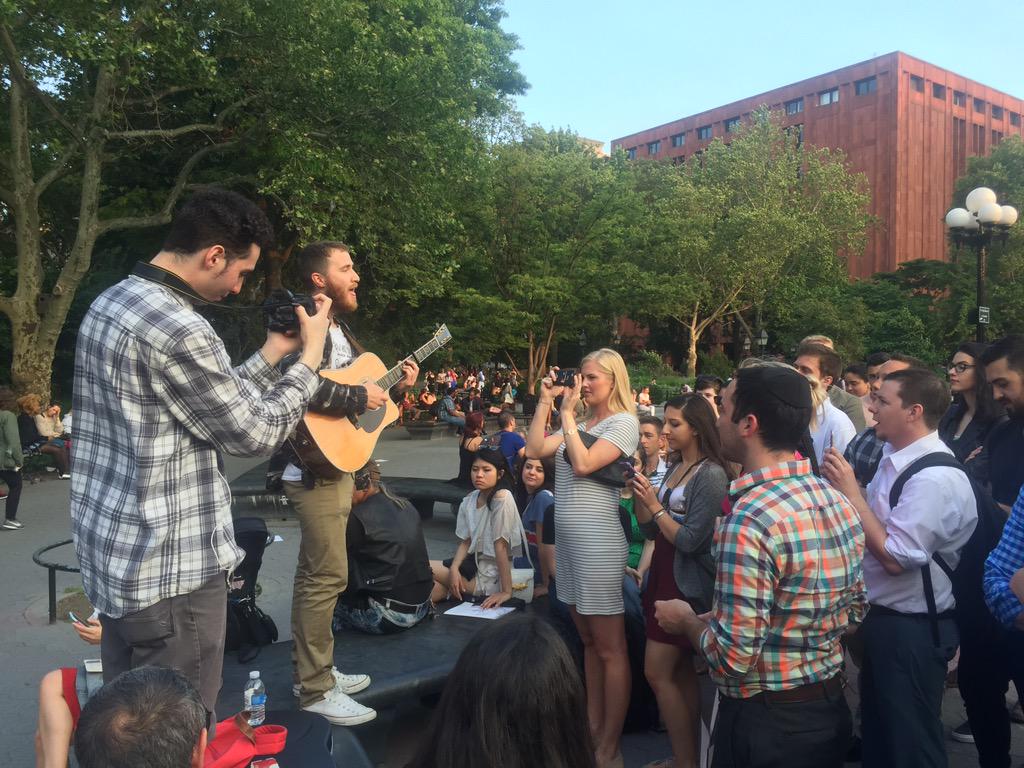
62	694
389	579
535	496
643	402
514	698
472	439
710	388
829	368
11	459
510	442
448	413
147	716
31	439
490	534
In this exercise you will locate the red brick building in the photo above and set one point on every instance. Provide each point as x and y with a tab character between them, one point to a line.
908	125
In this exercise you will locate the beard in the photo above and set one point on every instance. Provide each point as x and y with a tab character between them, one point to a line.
343	303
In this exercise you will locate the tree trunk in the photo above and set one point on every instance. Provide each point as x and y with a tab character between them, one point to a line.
694	331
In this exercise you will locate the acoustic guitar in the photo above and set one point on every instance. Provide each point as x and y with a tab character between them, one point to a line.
330	446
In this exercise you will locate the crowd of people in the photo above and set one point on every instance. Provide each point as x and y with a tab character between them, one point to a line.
799	528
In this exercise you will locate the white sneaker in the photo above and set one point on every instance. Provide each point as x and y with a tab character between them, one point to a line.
339	709
347	684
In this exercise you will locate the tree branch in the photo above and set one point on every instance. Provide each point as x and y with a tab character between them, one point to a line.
173	133
163	216
59	168
19	73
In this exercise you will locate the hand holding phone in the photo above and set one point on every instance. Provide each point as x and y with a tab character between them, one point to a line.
628	468
566	377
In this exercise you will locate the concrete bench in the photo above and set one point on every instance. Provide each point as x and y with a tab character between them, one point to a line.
429	430
249	494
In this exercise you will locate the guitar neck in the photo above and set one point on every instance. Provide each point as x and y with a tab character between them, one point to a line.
392	377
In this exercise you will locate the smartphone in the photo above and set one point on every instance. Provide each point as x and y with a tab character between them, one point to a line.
566	377
74	619
628	468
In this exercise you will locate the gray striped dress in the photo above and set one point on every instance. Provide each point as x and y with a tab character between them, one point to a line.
590	547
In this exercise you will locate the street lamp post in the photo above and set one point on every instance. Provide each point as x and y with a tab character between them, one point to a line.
762	342
981	222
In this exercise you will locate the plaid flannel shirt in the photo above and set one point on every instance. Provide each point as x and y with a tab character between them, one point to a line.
1002	562
155	401
864	453
788	582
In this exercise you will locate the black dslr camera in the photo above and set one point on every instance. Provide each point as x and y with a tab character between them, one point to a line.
280	310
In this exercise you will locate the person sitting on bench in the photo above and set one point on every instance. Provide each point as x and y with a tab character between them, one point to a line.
389	578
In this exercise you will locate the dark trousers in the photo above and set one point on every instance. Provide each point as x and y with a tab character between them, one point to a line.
902	678
185	632
756	733
990	657
13	481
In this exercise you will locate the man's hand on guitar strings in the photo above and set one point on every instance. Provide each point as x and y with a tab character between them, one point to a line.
375	396
411	372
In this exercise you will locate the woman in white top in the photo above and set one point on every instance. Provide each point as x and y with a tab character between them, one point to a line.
590	545
490	534
830	427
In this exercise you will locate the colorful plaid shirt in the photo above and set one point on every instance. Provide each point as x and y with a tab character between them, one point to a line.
155	402
1004	561
788	582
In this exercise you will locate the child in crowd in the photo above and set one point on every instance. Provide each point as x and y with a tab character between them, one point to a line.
490	533
536	481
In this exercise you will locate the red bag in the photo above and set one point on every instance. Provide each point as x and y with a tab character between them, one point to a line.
236	743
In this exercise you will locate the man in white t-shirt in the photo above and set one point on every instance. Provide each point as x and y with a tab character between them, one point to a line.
323	504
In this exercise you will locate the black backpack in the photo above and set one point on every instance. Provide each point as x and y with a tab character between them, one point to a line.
967	577
248	627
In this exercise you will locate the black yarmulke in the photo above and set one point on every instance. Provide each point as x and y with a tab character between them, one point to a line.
789	386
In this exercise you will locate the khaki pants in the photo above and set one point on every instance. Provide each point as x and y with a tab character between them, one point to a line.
320	576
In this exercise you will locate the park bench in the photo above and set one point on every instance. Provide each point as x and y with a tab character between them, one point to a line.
249	494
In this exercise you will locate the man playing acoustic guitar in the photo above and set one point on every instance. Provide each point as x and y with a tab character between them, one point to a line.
323	500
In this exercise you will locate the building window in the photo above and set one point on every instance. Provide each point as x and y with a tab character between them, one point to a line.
959	99
997	112
795	107
1015	119
939	91
679	160
631	153
828	97
917	83
979	106
865	86
678	140
704	132
653	147
732	124
997	136
796	131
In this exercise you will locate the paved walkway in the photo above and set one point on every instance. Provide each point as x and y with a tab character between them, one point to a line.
30	647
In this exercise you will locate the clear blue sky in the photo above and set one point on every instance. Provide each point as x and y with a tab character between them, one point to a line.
607	69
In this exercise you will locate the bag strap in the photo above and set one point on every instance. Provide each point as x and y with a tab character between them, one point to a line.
935	459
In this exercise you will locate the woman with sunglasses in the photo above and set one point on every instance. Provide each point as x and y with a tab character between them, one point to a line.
973	412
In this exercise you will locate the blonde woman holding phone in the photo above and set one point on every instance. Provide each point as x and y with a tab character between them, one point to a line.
590	546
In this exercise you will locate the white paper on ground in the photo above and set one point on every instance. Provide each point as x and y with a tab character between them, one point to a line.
475	611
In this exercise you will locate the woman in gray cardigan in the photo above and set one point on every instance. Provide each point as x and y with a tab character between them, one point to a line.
680	517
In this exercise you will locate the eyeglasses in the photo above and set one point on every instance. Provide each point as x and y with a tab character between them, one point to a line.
960	367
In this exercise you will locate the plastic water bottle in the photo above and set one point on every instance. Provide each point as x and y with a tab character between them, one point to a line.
255	699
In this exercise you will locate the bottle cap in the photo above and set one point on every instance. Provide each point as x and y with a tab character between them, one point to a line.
254	675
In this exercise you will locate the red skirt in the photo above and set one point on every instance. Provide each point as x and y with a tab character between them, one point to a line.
661	585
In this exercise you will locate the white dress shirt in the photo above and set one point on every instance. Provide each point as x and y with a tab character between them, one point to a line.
936	513
832	429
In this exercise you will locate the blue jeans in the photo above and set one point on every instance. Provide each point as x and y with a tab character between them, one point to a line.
453	420
376	618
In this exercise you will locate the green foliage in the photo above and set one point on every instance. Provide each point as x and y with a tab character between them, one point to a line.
717	364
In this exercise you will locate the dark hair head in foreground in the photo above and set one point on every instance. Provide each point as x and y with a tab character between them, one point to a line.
515	698
218	217
148	716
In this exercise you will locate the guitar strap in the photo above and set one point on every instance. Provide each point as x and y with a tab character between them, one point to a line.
350	337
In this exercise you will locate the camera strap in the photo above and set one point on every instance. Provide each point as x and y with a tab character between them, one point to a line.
171	281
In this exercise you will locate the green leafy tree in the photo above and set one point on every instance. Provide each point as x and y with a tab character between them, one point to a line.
349	119
745	217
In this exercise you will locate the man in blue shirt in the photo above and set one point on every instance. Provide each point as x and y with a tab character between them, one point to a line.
510	442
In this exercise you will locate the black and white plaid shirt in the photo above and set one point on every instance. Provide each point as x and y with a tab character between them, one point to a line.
155	401
864	453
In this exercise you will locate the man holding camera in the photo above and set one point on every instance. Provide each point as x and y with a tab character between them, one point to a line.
323	503
156	400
